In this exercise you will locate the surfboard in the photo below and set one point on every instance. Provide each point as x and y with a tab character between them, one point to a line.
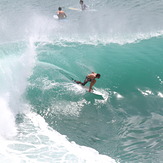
55	17
92	91
76	9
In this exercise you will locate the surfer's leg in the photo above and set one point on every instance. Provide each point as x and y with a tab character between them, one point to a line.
92	84
85	82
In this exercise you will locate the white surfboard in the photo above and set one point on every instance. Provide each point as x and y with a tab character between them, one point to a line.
93	91
55	17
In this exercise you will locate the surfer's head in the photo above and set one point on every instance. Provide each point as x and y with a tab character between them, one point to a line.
81	2
59	8
98	76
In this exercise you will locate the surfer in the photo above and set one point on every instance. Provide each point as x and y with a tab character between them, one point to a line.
83	6
90	78
61	14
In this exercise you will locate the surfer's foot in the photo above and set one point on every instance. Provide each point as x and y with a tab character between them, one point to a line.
90	90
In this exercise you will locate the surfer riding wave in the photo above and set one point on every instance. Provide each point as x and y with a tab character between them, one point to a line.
90	78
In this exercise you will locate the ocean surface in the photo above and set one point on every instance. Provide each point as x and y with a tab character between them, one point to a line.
45	117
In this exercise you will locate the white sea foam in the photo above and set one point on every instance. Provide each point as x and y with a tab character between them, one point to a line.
15	68
61	149
7	119
37	142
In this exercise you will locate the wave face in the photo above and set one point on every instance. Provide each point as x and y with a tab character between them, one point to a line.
45	117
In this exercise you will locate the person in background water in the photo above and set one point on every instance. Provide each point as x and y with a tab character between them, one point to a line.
61	14
90	78
83	6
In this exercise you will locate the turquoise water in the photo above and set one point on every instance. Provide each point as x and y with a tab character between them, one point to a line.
46	117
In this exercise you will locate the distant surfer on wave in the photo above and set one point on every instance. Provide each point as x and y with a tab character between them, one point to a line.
90	78
83	6
61	14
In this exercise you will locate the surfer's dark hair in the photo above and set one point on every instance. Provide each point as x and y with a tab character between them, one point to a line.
98	75
59	8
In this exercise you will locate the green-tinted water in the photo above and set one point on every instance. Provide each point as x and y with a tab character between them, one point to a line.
127	122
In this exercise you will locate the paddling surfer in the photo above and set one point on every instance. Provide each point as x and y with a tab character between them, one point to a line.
61	14
90	78
83	6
